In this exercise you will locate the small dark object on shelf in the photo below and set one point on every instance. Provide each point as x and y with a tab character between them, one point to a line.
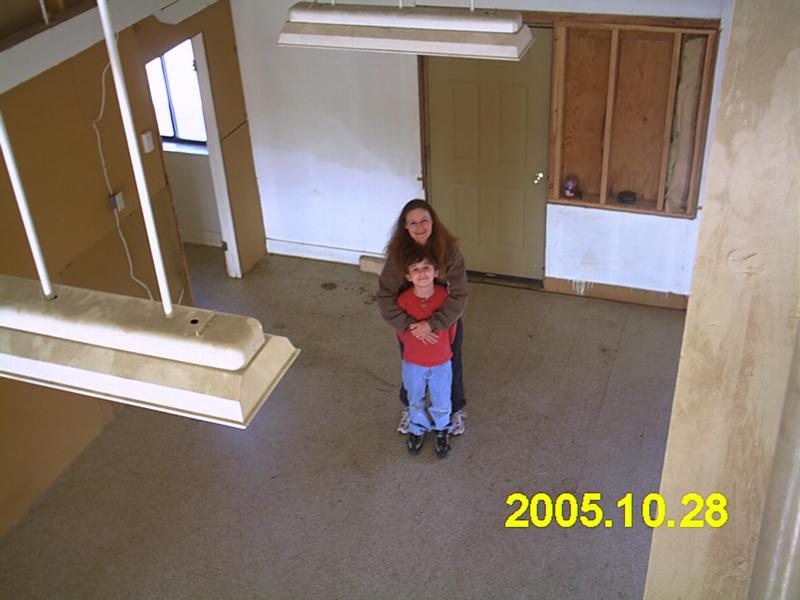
626	197
569	187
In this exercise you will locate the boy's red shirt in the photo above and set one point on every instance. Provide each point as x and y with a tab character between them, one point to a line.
419	309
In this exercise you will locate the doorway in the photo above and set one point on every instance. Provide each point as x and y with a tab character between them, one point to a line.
488	133
181	89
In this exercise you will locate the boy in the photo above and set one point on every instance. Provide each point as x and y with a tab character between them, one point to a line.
426	365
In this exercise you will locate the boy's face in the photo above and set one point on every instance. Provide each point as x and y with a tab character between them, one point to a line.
421	274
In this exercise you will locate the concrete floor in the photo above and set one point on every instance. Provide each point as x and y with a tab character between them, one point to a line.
319	498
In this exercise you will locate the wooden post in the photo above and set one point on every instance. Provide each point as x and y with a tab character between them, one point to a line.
557	112
702	123
612	85
668	119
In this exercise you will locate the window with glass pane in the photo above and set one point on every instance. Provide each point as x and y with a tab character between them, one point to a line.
176	95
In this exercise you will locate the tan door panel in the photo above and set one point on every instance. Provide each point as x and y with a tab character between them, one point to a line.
488	132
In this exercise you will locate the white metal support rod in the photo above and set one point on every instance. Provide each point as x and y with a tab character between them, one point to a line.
45	16
136	157
24	211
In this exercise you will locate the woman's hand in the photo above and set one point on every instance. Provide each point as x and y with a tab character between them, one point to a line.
423	332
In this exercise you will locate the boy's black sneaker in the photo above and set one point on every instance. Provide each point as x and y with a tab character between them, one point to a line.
442	442
414	443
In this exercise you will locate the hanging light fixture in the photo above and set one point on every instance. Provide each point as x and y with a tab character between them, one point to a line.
182	360
197	363
433	31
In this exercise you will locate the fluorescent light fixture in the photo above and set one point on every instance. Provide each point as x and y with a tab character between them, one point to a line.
432	31
187	361
197	363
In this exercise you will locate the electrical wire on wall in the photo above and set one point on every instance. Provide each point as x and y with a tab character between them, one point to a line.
108	182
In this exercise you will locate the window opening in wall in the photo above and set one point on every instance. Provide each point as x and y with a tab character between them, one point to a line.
175	91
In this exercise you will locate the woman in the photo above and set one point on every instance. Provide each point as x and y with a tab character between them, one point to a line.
419	225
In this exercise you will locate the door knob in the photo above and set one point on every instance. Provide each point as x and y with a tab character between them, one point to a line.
538	178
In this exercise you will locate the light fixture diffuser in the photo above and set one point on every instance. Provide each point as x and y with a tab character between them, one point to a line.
196	363
432	31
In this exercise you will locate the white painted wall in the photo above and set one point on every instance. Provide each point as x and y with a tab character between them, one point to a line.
620	248
193	196
335	138
337	152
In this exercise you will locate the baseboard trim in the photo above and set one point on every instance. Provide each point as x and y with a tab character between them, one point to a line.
314	251
616	293
199	236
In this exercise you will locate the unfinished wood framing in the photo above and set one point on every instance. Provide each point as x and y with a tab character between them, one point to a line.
543	17
643	28
669	118
557	113
618	207
684	125
702	122
582	127
617	135
637	131
613	62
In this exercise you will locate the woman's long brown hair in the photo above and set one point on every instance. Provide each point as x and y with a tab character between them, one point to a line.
441	243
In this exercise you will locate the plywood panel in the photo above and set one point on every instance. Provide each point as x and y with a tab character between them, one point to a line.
586	87
243	192
86	70
144	116
639	113
104	266
15	257
57	159
58	139
171	247
49	121
18	14
41	431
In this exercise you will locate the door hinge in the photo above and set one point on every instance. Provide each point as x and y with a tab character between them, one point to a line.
225	246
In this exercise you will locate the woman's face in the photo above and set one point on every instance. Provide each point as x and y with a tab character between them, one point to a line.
419	225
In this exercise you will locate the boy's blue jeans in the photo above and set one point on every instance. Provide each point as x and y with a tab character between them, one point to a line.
439	380
457	393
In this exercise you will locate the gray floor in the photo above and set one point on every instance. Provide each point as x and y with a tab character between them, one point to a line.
319	499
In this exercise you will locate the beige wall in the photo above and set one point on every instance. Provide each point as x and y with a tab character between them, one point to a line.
742	317
49	121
